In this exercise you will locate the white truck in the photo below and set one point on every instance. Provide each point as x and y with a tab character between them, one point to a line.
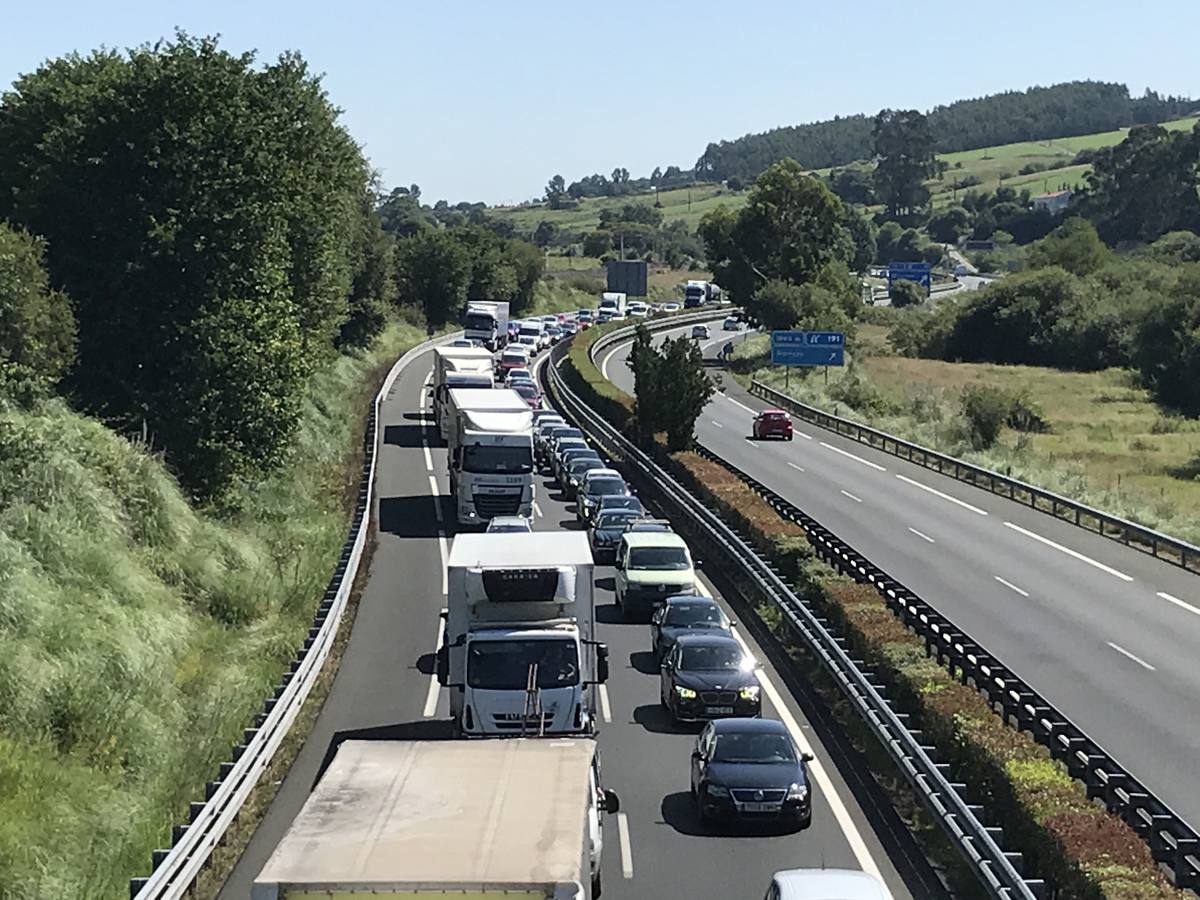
490	454
519	654
486	321
613	303
460	367
699	293
472	819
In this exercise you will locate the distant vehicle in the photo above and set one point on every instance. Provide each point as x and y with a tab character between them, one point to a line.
529	393
562	465
530	343
555	333
462	342
596	484
731	324
577	470
772	423
517	372
671	307
605	533
684	614
563	446
709	676
820	884
652	566
747	770
486	321
638	309
608	504
613	303
701	331
646	526
604	316
509	525
698	293
569	328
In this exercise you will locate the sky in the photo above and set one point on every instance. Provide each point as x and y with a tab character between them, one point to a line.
487	100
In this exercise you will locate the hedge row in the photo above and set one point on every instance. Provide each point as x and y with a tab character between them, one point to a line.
1083	852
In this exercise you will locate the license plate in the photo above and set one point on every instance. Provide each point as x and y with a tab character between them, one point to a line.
760	807
719	710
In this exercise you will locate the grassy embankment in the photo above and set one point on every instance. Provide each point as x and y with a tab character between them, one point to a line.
139	634
1108	445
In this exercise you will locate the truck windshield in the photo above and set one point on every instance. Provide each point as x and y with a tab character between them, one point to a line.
492	459
504	665
673	559
477	321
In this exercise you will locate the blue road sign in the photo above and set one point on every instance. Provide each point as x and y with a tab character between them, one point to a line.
808	348
920	272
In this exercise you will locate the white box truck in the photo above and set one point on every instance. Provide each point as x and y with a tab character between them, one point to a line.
520	818
700	293
486	321
490	454
519	653
613	303
462	367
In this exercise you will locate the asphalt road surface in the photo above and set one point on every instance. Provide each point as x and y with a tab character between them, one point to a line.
1106	633
654	847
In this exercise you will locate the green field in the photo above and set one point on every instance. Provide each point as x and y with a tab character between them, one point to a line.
689	204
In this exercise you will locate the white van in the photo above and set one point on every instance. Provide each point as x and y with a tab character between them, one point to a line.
825	884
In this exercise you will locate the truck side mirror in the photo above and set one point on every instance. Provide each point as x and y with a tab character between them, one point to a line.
443	665
611	802
602	663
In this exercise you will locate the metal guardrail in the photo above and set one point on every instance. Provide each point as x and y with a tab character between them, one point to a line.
1155	543
996	869
176	869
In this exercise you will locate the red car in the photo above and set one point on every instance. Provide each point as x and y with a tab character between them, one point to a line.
772	423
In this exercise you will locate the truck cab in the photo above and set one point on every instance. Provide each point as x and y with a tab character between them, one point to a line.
614	304
490	455
486	321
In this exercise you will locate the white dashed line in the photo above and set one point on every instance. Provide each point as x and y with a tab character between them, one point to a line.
922	536
428	458
605	709
1067	550
807	437
626	845
715	422
1011	586
796	467
937	493
537	510
851	496
751	443
741	404
431	698
865	462
1180	603
1141	662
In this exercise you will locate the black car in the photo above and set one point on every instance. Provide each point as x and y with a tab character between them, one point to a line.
709	676
605	533
685	614
575	472
562	463
608	504
750	770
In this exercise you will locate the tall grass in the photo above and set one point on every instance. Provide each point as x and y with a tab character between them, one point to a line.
138	635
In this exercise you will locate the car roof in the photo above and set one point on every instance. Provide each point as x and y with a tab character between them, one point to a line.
744	725
708	639
654	539
820	884
691	600
774	412
604	473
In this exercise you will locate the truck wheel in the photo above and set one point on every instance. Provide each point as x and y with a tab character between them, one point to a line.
596	886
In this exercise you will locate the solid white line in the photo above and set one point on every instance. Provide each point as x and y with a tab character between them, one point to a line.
1126	653
428	458
922	536
741	404
817	769
851	496
607	357
1067	550
865	462
421	401
437	499
626	845
605	709
715	422
444	549
796	467
1011	586
431	698
429	377
1180	603
937	493
537	510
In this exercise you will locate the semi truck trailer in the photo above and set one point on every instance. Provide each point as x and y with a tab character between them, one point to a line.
457	367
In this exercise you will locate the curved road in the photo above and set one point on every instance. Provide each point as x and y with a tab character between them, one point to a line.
654	848
1104	632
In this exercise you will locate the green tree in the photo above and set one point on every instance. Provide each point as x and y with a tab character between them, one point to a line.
373	290
862	235
689	388
906	293
815	306
401	215
648	386
546	233
854	183
1175	247
1074	245
986	408
904	159
598	242
433	271
1167	347
528	265
37	327
949	224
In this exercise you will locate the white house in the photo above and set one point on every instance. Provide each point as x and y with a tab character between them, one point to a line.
1054	202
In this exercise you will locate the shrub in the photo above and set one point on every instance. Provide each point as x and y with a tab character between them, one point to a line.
986	409
907	293
1025	414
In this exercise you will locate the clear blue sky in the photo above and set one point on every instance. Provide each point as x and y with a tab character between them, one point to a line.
486	100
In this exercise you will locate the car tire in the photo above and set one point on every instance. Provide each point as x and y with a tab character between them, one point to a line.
789	437
701	815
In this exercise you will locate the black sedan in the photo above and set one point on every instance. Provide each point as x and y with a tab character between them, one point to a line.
685	614
708	676
750	770
608	504
605	533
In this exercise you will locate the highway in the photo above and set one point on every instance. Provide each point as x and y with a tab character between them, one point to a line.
653	848
1106	633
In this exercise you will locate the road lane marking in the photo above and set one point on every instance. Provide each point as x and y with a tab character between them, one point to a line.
922	536
796	467
741	404
1137	659
1011	586
431	698
937	493
604	364
865	462
715	422
421	402
1067	550
605	709
444	549
750	441
817	769
851	496
626	845
437	499
537	510
428	458
429	377
807	437
1180	603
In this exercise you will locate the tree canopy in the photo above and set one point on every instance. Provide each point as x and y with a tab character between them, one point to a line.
37	327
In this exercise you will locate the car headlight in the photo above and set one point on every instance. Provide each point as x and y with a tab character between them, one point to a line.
797	792
685	693
715	790
749	692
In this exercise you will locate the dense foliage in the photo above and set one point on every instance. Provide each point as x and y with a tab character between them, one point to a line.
37	327
903	147
671	387
1036	114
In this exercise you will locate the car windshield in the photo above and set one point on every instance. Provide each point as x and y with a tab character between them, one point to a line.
601	487
504	665
507	529
528	391
585	464
493	459
688	614
568	433
672	559
713	658
748	747
631	503
612	521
